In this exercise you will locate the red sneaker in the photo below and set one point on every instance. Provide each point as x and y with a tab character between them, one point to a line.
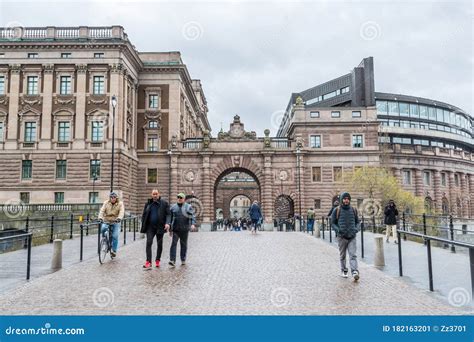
147	265
157	263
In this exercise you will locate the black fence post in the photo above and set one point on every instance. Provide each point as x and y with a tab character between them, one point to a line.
373	224
52	230
400	266
430	268
28	258
98	237
71	225
322	224
82	241
87	224
362	237
404	226
125	232
134	228
27	226
330	231
424	226
451	231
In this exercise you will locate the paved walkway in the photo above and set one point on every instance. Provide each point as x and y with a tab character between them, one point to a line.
227	273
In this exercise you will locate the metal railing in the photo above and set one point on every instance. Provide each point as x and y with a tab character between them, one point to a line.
27	237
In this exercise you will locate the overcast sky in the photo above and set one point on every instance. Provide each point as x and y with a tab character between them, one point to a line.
250	56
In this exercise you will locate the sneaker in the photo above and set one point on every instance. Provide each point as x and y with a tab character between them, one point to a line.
171	263
183	262
113	254
147	265
387	241
395	241
344	274
157	263
355	274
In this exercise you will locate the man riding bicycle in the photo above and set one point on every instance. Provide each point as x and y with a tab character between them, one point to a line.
112	213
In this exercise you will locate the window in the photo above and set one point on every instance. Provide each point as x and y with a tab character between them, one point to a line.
2	55
153	101
422	142
61	169
423	112
357	141
439	114
93	197
315	141
2	85
426	178
152	176
26	169
98	55
443	179
32	85
152	143
33	55
456	179
59	197
356	114
404	109
316	173
63	131
335	114
99	85
153	124
414	110
2	134
94	168
337	173
30	131
25	197
65	85
317	204
382	107
97	131
66	55
314	114
406	177
393	108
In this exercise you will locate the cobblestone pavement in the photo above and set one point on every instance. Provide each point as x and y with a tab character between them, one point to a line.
227	273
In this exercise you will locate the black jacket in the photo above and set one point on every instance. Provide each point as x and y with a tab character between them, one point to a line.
164	216
391	214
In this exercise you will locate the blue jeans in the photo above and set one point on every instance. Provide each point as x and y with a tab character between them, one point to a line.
310	224
115	234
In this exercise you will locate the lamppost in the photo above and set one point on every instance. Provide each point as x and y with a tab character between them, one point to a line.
169	173
298	152
94	178
114	104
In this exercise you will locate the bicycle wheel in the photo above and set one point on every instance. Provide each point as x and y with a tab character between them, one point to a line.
104	249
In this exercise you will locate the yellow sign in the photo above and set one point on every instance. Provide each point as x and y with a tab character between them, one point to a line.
81	218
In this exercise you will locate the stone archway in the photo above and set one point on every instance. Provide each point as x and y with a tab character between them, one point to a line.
284	207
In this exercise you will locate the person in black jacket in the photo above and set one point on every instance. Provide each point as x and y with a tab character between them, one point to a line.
156	220
391	214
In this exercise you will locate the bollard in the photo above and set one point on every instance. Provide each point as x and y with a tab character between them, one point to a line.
57	261
379	258
430	266
317	231
362	237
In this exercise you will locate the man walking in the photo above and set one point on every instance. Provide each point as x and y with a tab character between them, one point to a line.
112	213
310	219
391	214
255	215
155	221
345	221
182	220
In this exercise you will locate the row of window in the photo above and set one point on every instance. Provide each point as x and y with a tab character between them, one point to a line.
64	131
59	197
394	108
314	114
64	55
357	141
427	178
423	125
65	85
328	95
61	169
414	141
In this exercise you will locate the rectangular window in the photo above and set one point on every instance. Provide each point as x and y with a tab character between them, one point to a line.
357	141
315	141
152	143
393	108
439	114
99	55
30	131
32	85
94	169
63	131
59	197
2	133
317	204
97	131
406	177
316	173
423	112
153	124
382	107
25	197
26	169
99	85
66	55
443	179
356	114
404	111
427	178
337	173
93	197
153	101
456	179
335	114
2	85
314	114
65	85
446	116
432	113
32	55
61	167
152	176
414	110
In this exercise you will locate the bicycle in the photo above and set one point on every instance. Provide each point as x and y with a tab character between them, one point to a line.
106	243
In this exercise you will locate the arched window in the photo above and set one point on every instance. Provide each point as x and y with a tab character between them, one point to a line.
428	204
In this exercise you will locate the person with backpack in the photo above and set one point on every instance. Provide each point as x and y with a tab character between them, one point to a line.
255	215
345	222
391	214
310	219
334	206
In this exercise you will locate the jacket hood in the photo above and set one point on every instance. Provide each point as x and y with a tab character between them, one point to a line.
344	194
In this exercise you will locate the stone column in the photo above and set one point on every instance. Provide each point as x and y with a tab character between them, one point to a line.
471	192
267	194
14	83
418	182
437	190
80	123
46	117
464	195
174	175
452	193
397	174
207	190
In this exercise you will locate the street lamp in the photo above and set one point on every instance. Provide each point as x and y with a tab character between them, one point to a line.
298	152
114	104
169	173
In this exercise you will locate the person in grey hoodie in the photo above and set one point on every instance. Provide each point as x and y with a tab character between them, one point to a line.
345	222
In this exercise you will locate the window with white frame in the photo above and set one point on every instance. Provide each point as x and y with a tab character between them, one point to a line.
357	141
98	85
335	114
153	101
152	145
314	114
64	128
65	85
32	85
2	85
427	178
30	131
406	177
356	114
315	141
97	131
153	124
